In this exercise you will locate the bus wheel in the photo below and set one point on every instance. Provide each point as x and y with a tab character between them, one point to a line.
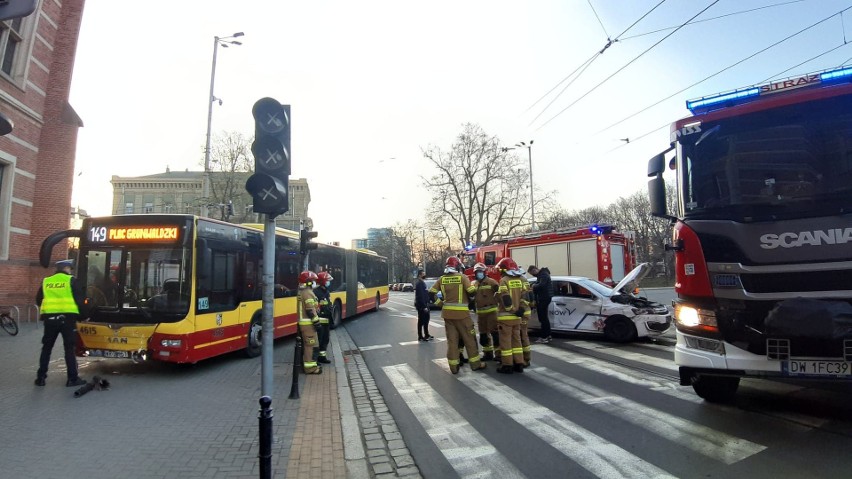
619	329
254	337
336	318
378	302
716	389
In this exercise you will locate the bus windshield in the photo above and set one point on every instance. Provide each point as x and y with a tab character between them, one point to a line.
792	161
139	283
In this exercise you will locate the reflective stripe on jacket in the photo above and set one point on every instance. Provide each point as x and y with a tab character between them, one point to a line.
455	289
58	297
514	288
307	301
486	295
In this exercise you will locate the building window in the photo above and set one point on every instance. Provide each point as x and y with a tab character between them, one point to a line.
128	208
149	208
12	49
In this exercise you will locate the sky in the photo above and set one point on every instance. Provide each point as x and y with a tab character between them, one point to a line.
372	83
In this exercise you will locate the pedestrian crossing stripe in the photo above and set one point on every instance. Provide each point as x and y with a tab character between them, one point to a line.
631	356
461	444
375	346
701	439
590	451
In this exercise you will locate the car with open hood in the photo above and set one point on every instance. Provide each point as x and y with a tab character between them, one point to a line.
588	306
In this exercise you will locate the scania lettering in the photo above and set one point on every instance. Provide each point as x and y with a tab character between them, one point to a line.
762	235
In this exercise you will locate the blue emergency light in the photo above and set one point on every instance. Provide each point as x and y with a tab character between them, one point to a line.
594	229
743	95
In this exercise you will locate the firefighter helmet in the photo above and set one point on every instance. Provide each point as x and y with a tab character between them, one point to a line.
324	278
479	267
307	277
454	265
508	266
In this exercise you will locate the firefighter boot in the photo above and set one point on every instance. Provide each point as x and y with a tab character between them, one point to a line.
488	356
323	358
505	369
519	368
477	365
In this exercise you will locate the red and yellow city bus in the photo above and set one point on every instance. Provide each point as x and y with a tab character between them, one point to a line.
180	288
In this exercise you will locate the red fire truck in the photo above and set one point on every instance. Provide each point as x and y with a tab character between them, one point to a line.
762	235
594	251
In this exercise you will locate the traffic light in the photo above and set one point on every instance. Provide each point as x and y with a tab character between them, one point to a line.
305	244
269	185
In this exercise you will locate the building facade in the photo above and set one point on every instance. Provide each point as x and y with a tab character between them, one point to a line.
37	158
181	192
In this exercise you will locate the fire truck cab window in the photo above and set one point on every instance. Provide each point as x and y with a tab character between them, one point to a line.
490	258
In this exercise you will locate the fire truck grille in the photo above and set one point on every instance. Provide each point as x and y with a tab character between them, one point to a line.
797	282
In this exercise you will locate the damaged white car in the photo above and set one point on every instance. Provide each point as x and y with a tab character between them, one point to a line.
589	306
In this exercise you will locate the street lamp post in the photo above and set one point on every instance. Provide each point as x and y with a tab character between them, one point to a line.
224	41
532	198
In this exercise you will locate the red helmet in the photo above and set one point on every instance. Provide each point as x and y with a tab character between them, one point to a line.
306	277
454	265
324	278
479	267
508	265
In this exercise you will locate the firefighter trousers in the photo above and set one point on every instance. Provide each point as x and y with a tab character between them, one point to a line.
309	342
525	341
461	329
487	323
511	351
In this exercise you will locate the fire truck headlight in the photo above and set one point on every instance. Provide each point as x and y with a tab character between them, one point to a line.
690	317
170	343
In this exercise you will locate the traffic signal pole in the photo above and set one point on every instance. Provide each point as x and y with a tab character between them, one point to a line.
267	336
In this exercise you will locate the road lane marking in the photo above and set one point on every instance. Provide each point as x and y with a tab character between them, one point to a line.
376	346
470	454
704	440
592	452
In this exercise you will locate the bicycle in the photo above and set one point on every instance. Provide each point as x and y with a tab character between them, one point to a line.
8	323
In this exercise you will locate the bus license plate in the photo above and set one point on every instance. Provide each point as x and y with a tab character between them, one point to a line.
110	354
807	367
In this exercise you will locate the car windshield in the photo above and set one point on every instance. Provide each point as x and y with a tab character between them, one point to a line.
791	161
596	286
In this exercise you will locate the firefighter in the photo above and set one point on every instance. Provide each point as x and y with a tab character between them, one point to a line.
510	311
486	310
324	280
308	319
457	293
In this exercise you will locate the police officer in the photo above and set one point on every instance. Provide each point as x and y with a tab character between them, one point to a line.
60	299
308	318
324	280
457	291
510	312
486	310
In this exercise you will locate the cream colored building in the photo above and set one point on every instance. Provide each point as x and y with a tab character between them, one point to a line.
181	192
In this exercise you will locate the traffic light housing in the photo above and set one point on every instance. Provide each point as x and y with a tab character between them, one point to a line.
305	244
269	185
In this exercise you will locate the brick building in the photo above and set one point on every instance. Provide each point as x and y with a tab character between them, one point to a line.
37	158
181	192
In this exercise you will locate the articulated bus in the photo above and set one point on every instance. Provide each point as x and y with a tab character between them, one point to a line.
180	288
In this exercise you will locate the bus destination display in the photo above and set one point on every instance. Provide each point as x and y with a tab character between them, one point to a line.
109	234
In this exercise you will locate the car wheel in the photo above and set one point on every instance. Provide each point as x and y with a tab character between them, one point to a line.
716	389
336	316
619	329
253	345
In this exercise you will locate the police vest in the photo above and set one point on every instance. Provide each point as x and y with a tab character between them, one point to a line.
58	297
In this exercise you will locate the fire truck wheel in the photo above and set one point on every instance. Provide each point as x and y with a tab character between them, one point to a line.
716	389
619	329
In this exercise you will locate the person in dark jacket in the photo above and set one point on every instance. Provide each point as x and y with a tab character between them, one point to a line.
421	304
61	299
543	292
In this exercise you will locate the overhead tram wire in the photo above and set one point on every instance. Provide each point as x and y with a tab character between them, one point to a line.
777	75
720	71
634	140
781	4
599	19
584	95
592	58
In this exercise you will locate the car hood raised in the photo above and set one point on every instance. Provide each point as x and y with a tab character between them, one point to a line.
631	281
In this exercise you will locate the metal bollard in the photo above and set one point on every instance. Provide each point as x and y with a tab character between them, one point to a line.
264	420
297	362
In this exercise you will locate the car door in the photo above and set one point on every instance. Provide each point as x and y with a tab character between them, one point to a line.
574	308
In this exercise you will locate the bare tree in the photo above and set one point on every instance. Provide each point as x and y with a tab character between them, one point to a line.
230	166
478	192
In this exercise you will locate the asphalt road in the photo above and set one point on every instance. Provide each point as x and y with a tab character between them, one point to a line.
588	408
